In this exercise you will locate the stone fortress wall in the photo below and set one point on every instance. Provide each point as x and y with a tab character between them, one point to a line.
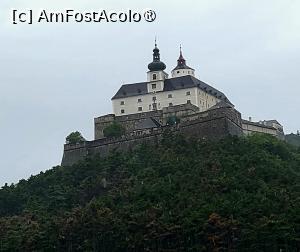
130	122
213	124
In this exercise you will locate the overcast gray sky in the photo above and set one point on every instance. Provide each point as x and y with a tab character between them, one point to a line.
55	78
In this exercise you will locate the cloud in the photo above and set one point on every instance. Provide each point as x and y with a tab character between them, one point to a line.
56	78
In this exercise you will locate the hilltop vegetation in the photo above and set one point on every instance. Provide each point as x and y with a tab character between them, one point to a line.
293	139
240	194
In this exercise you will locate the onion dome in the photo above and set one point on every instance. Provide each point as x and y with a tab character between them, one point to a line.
156	64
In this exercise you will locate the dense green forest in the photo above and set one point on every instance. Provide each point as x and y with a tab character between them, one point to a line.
293	139
239	194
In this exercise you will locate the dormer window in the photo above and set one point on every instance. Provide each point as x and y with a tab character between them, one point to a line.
154	76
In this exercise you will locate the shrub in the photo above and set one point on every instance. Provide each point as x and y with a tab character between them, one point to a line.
74	138
114	130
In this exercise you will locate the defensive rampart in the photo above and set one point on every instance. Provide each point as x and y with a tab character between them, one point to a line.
211	125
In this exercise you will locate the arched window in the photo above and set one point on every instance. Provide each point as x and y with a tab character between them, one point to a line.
154	76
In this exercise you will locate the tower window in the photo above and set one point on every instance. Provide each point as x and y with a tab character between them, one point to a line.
178	71
188	93
153	98
154	76
170	95
140	108
188	101
139	100
122	102
122	111
153	86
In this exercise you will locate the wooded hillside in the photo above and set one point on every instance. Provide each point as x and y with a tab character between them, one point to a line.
240	194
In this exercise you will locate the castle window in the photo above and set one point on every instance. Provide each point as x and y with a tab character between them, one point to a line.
140	109
139	100
154	76
170	95
122	111
122	102
188	93
153	86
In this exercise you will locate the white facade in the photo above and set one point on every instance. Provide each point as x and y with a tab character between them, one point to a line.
156	81
158	100
182	72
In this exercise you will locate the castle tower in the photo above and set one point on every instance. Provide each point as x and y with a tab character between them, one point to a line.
182	69
156	74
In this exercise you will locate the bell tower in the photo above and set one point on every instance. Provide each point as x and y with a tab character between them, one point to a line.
182	69
156	74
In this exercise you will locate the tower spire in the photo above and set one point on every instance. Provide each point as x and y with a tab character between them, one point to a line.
182	69
156	64
181	61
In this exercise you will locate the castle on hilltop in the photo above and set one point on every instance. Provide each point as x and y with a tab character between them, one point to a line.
160	91
180	103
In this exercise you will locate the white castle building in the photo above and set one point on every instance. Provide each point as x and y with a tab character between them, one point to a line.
161	91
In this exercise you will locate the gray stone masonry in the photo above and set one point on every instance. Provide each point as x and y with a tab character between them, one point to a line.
129	122
211	125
